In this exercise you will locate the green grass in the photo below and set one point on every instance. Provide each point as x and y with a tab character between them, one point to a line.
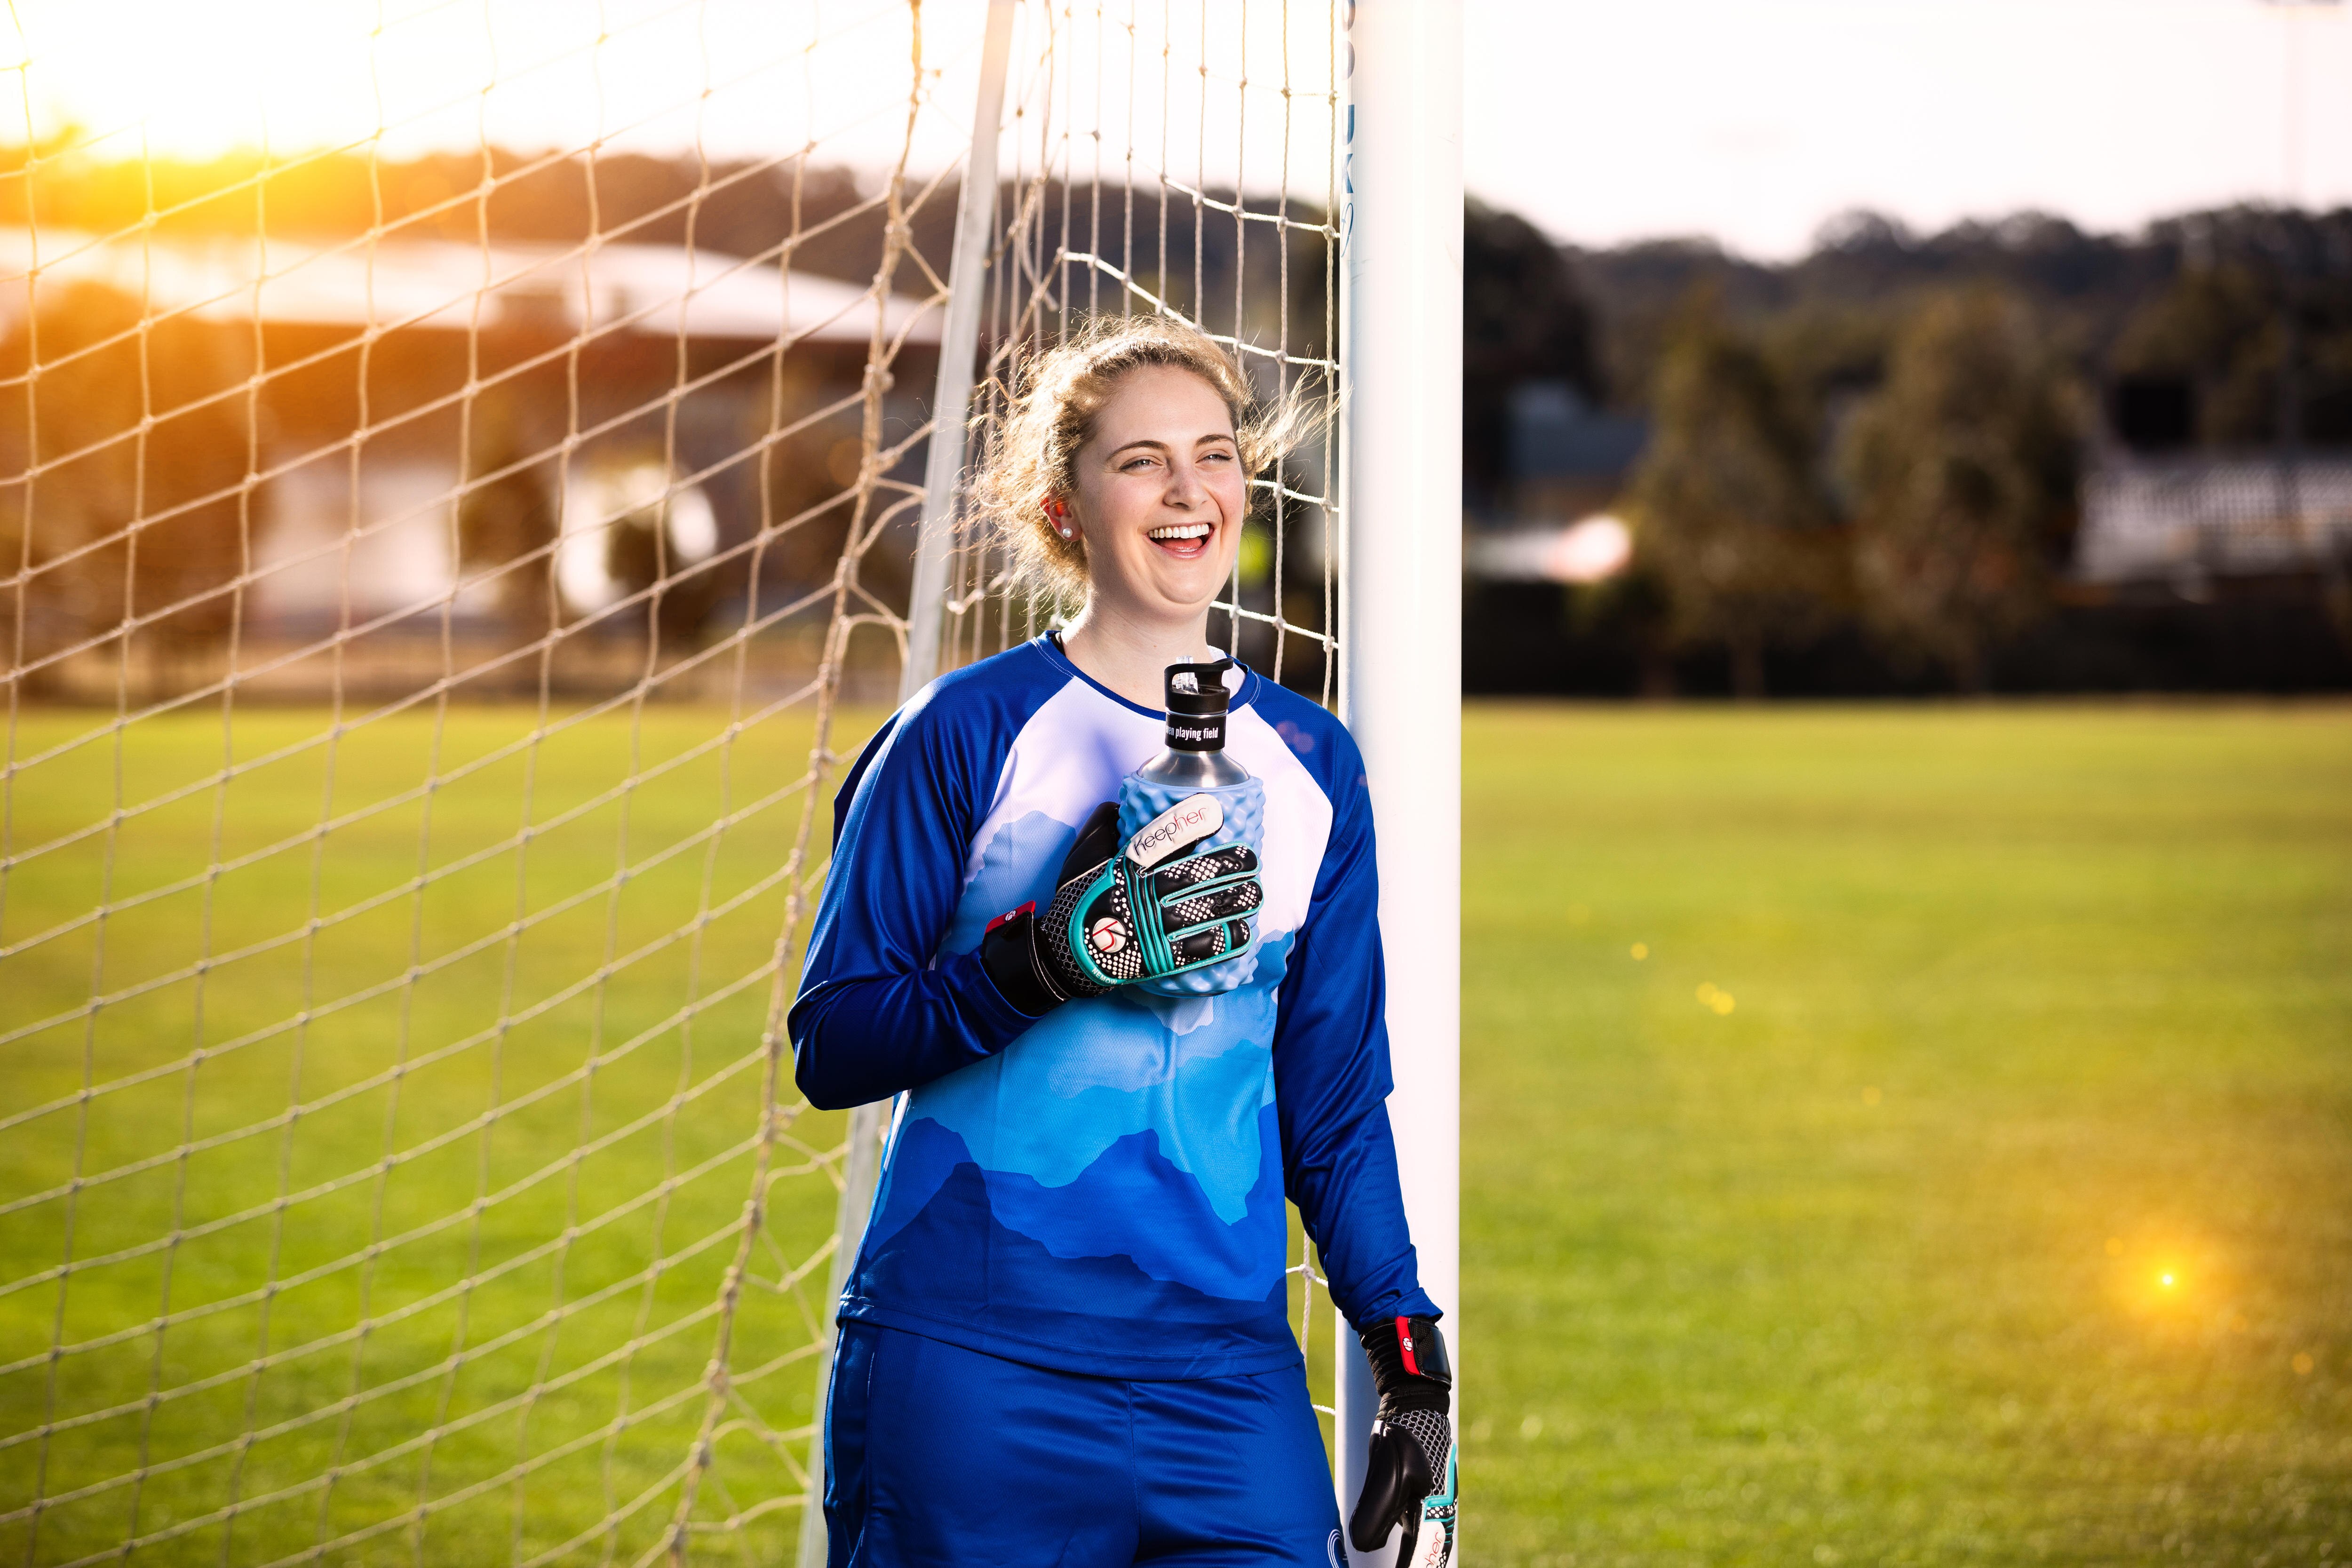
2027	1007
589	1075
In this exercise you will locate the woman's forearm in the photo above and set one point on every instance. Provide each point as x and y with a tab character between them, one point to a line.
859	1039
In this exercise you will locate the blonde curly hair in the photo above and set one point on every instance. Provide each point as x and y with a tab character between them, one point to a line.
1031	456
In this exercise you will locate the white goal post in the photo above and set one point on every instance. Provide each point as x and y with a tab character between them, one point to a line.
1401	635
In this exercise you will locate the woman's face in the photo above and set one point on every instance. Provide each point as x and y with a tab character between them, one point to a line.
1161	496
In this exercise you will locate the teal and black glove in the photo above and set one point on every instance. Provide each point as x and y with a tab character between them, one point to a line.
1154	906
1409	1470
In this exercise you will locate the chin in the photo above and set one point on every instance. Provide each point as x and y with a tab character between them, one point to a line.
1193	589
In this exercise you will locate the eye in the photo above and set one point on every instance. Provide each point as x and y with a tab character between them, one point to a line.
1136	463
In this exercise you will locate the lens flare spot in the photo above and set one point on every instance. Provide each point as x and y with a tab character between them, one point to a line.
2167	1280
1870	1096
1641	950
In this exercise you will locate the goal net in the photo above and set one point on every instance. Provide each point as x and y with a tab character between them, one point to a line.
462	467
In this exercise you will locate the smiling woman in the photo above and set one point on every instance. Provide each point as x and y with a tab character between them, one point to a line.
1077	1242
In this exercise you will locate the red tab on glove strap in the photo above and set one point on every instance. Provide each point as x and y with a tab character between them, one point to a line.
1028	908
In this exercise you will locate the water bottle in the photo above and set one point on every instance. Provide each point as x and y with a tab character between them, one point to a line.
1194	762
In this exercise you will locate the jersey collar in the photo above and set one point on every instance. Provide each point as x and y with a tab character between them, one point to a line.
1049	644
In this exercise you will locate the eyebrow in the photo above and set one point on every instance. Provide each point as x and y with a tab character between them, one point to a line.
1159	446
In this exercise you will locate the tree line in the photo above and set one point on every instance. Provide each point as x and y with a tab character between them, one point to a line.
1879	447
1874	450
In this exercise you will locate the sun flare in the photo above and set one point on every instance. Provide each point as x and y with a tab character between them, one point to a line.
172	80
195	81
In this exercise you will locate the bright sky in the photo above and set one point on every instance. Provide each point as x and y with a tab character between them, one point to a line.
196	78
1751	120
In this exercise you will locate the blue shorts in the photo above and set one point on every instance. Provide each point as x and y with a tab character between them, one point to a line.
938	1455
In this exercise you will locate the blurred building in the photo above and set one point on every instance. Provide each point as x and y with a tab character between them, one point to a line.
1567	462
2186	520
425	414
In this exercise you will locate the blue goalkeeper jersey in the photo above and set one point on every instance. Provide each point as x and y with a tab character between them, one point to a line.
1101	1190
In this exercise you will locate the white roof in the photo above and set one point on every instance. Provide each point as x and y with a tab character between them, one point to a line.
656	290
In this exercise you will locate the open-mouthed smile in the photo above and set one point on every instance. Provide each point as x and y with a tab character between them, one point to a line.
1182	539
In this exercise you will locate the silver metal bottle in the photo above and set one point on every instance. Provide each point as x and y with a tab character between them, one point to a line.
1199	762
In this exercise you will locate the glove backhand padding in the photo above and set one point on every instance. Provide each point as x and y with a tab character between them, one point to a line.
1155	905
1118	917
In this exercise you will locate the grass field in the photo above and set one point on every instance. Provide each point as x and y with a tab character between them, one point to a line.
1831	1227
2015	1013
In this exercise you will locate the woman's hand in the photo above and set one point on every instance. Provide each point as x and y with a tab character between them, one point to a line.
1154	906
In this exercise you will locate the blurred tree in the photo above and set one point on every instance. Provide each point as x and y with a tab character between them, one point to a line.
2214	331
507	525
2223	331
1523	319
1962	473
807	474
1728	514
125	477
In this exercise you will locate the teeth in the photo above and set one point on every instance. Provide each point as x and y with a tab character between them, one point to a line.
1181	530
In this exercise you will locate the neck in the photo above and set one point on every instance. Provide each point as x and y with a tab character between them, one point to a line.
1132	657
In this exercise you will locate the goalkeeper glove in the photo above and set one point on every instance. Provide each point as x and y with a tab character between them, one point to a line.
1155	905
1409	1474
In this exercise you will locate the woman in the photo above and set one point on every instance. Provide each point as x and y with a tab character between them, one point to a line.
1065	1339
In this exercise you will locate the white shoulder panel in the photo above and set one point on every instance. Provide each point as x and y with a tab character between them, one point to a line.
1067	760
1297	819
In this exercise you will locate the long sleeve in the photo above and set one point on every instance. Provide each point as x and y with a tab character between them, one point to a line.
1331	1076
880	1009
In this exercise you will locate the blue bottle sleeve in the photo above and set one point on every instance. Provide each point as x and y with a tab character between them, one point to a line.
1244	809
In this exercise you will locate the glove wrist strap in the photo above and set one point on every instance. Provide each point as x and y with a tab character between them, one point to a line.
1008	953
1409	1364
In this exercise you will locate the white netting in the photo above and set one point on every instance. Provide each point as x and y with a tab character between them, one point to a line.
445	566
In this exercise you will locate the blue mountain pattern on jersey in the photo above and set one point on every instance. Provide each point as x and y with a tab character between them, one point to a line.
955	1261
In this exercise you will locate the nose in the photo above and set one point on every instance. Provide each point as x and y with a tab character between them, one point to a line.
1185	490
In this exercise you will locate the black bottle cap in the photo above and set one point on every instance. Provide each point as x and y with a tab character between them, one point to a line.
1197	699
1198	689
